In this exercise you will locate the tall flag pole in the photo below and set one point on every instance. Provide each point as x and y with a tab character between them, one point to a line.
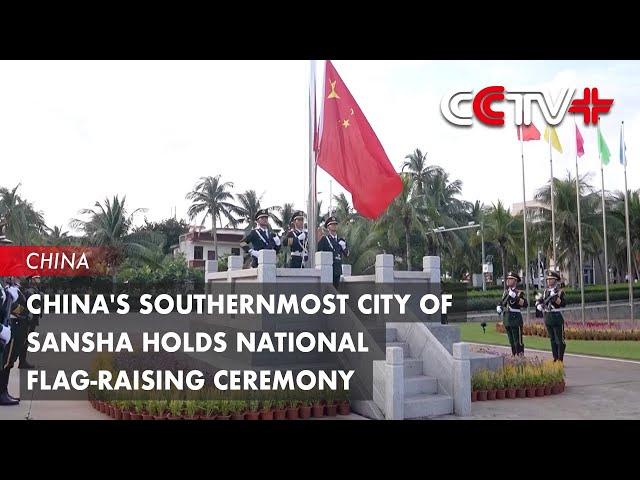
623	160
579	153
551	136
312	204
604	155
525	133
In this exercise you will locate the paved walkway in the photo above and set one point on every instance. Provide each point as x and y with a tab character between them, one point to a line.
597	388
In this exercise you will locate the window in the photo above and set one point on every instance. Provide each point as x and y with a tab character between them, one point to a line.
211	254
235	251
197	253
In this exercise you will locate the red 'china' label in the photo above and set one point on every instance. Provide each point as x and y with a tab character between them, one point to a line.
23	261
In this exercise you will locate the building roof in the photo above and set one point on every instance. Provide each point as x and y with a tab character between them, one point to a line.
232	235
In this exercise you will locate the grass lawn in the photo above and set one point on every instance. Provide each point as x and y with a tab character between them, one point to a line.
472	332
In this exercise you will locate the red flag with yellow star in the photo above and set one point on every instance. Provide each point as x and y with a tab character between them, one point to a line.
351	153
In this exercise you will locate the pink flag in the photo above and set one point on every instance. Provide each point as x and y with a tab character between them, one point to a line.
579	143
529	132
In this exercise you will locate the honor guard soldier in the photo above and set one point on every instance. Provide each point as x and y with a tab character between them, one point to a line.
297	239
513	300
553	299
31	287
260	238
336	245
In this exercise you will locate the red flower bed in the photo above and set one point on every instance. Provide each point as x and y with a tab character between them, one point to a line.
589	331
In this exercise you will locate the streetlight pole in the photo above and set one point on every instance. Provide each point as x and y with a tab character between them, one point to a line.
471	225
484	282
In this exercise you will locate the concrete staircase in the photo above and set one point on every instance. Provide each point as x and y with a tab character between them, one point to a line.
423	396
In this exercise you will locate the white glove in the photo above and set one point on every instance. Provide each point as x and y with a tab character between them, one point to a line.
5	334
276	240
539	307
302	237
499	309
343	244
512	293
13	293
253	253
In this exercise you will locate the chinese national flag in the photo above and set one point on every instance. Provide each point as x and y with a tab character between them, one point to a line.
351	153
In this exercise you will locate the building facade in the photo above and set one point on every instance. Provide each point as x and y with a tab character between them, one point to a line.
197	245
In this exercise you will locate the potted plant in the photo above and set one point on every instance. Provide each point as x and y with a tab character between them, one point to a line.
304	411
137	409
223	409
475	383
491	386
292	408
540	381
126	409
237	408
482	385
266	413
343	403
332	408
175	410
317	409
253	410
520	382
191	409
280	412
508	374
498	378
530	381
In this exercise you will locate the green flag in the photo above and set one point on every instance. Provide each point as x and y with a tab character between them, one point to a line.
603	149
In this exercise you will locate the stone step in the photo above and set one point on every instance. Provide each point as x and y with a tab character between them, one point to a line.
427	405
412	367
419	385
392	334
403	345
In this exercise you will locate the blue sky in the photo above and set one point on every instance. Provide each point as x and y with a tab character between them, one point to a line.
75	132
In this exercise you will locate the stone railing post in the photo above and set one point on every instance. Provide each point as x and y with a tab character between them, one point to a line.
394	384
461	379
346	270
431	265
324	263
267	266
384	268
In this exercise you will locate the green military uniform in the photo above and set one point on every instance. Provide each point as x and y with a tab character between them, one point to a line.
510	307
552	300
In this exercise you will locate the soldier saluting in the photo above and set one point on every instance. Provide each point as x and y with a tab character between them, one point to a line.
338	246
260	238
297	239
552	299
513	300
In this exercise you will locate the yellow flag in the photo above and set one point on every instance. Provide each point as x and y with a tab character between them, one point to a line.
555	141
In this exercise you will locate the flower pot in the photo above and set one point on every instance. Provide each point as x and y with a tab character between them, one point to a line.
136	416
344	408
279	414
482	395
223	417
562	386
521	392
555	389
147	416
252	415
292	413
126	415
500	394
491	394
101	407
266	414
511	393
237	416
304	412
531	392
539	391
332	410
547	390
474	395
174	417
112	411
159	417
118	415
317	411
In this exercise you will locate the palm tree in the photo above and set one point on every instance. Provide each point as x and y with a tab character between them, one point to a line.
343	209
248	205
567	222
619	236
285	212
416	165
56	236
212	197
108	224
22	223
404	216
502	229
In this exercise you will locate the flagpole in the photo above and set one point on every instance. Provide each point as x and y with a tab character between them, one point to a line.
553	213
604	229
626	219
524	216
312	204
581	271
